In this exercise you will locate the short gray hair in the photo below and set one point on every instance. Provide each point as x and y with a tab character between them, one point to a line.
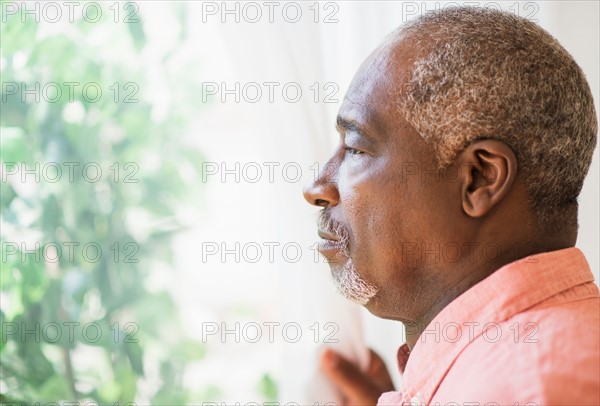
484	73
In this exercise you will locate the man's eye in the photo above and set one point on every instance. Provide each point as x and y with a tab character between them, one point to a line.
353	151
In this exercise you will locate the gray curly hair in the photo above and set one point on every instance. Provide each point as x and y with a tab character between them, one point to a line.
490	74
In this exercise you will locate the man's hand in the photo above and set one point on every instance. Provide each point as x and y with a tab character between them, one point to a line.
357	387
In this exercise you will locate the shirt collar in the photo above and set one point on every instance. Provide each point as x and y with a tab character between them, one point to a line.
506	292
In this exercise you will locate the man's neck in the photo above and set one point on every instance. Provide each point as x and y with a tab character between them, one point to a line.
474	276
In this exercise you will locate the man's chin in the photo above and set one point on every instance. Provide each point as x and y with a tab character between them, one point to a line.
337	260
350	284
360	300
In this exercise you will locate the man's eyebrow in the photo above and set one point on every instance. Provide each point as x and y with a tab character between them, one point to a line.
351	126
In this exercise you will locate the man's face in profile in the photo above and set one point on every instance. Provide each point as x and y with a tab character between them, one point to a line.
376	212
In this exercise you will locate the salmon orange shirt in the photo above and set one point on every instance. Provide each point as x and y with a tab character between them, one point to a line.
529	334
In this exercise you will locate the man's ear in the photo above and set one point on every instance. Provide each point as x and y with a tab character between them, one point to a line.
487	171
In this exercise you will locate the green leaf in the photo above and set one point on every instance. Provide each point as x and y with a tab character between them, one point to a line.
56	387
15	34
13	147
268	388
136	29
7	194
135	356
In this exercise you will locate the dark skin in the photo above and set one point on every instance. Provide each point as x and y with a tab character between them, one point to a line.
472	217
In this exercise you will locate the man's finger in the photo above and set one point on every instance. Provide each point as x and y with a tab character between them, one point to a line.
379	372
354	385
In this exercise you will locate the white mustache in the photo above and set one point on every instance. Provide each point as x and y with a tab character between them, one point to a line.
326	223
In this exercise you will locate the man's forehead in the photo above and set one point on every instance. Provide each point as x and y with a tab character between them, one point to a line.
378	67
377	85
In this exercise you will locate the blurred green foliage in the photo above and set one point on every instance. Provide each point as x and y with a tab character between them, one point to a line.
130	212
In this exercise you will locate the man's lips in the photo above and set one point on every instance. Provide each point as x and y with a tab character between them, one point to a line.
329	245
327	236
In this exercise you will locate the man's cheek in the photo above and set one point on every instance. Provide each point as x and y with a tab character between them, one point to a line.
354	174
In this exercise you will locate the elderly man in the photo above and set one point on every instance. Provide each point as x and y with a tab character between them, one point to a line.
450	205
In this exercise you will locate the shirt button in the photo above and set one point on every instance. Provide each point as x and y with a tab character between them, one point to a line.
415	400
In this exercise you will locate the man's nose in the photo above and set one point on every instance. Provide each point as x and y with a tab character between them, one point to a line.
322	191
